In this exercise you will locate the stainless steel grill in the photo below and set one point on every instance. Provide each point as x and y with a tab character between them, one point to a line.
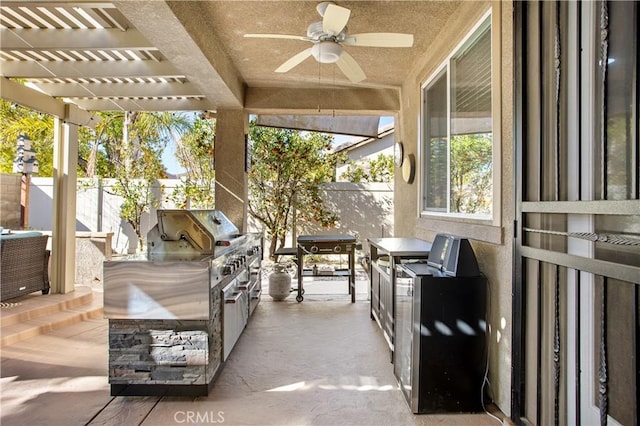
199	275
183	249
235	259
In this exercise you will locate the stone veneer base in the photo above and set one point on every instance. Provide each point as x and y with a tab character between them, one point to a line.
166	357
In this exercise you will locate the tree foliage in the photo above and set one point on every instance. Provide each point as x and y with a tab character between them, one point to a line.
379	169
121	139
126	146
287	170
195	152
471	172
99	150
133	142
16	120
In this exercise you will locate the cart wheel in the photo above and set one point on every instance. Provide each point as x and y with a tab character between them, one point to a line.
299	298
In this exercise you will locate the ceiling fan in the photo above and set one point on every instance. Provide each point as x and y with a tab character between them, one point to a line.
328	37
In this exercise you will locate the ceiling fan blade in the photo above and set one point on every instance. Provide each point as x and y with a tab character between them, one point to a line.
281	36
335	19
350	68
380	40
294	60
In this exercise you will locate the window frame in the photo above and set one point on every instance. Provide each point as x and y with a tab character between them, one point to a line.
486	229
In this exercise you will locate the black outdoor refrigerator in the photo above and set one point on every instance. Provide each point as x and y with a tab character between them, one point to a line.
440	339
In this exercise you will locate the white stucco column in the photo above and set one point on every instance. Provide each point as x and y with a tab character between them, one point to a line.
230	159
65	162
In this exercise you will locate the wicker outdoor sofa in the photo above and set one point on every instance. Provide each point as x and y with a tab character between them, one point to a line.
24	264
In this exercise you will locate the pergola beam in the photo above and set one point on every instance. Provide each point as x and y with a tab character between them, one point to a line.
78	3
115	89
123	104
17	93
73	38
94	69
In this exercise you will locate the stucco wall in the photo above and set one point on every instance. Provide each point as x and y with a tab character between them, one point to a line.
97	209
9	200
491	242
365	210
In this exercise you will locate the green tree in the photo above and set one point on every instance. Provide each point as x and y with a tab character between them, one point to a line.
471	169
287	170
379	169
99	150
133	142
126	146
195	153
16	120
122	138
102	155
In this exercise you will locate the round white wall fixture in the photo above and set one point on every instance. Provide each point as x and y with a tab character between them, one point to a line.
409	168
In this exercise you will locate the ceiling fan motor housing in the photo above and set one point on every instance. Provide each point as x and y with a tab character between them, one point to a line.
314	30
316	33
326	52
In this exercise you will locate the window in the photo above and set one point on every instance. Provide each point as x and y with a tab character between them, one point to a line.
457	141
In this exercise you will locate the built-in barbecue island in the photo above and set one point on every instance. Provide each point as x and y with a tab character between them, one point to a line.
176	312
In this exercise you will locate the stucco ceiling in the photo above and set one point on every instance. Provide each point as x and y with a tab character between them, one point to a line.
192	55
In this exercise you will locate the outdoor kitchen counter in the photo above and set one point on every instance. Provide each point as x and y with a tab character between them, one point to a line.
401	246
176	313
167	322
165	326
136	287
386	254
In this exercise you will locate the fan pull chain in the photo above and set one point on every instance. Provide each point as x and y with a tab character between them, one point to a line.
333	92
319	97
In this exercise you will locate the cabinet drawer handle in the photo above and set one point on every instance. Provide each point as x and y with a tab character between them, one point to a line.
235	299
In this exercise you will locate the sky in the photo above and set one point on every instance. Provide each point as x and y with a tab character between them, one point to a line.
170	162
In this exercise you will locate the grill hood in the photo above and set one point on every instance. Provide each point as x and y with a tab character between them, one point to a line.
193	231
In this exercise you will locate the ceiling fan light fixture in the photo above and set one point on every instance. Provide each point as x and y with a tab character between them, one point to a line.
326	52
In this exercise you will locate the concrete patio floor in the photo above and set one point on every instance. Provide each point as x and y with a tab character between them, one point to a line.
319	362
